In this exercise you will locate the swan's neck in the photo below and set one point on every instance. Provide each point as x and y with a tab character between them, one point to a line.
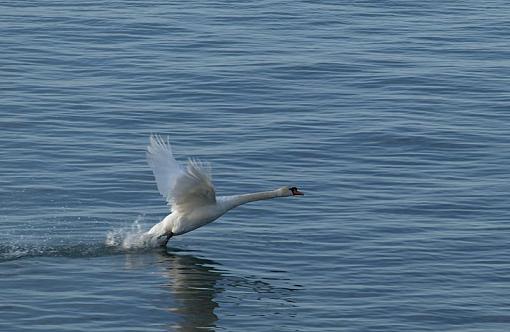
231	202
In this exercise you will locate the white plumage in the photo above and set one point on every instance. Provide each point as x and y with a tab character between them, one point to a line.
190	192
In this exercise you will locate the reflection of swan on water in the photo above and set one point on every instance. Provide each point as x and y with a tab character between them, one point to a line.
193	283
195	286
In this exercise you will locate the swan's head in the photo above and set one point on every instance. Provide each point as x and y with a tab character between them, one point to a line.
292	191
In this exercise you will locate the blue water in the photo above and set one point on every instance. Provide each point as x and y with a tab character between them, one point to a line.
393	117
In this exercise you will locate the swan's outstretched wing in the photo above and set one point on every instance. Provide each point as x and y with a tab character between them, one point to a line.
183	188
194	187
164	166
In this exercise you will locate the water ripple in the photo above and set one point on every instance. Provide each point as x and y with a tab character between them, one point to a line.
392	117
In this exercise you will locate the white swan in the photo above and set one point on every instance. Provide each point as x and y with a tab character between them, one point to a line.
190	192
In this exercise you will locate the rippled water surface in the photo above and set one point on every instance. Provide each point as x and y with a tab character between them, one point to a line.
392	117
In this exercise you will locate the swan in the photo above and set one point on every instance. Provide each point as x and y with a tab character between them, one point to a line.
190	193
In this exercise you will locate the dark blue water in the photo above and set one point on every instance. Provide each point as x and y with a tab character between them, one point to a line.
392	117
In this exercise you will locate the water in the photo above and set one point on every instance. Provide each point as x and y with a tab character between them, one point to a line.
392	117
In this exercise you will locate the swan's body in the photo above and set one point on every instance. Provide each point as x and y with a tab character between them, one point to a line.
190	192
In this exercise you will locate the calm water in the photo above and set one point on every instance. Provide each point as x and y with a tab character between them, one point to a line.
392	117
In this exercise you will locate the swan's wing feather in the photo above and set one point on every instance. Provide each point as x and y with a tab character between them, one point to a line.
183	188
194	187
164	166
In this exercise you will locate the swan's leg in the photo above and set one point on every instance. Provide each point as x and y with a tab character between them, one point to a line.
167	239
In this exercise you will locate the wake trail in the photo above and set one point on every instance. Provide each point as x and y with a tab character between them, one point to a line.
117	241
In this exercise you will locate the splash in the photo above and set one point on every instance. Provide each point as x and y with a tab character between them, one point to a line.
133	237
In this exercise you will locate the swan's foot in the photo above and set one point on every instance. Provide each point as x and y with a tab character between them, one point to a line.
167	239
